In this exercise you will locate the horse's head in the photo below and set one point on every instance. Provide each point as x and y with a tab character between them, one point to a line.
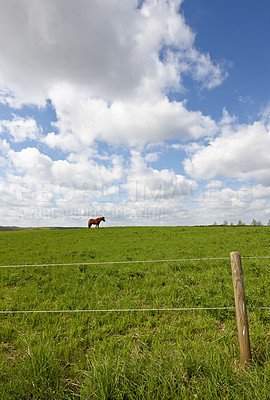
103	219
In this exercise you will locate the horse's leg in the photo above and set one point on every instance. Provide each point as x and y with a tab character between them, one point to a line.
89	226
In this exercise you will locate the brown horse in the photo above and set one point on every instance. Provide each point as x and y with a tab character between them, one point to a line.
95	222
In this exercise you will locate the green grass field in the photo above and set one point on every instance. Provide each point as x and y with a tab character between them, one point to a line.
132	355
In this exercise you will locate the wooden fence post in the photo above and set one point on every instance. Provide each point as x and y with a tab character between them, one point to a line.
240	307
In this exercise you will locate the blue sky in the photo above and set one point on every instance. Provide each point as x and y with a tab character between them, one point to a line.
235	31
154	112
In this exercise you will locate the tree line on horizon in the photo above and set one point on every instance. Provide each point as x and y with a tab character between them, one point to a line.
254	222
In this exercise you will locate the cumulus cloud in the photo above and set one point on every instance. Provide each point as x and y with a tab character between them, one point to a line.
139	181
4	146
20	128
146	183
82	174
32	162
62	41
37	183
152	157
114	50
107	71
243	203
240	151
214	185
82	121
115	53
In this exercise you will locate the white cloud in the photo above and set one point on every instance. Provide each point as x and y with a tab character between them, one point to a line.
152	157
260	192
106	69
245	99
239	152
82	121
227	119
46	189
116	51
20	128
224	203
214	185
145	183
44	42
165	29
9	98
32	162
67	193
37	168
4	146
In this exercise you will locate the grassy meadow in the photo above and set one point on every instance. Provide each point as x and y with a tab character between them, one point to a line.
132	355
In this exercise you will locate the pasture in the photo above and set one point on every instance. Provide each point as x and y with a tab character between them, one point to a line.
132	355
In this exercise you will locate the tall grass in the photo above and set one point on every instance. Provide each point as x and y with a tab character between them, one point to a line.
136	355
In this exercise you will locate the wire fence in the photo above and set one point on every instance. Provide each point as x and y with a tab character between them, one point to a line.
127	262
134	310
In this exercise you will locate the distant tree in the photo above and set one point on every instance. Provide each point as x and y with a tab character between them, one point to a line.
256	223
225	223
215	223
231	224
268	223
240	223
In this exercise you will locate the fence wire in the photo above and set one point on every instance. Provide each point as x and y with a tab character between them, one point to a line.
132	309
127	262
126	310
